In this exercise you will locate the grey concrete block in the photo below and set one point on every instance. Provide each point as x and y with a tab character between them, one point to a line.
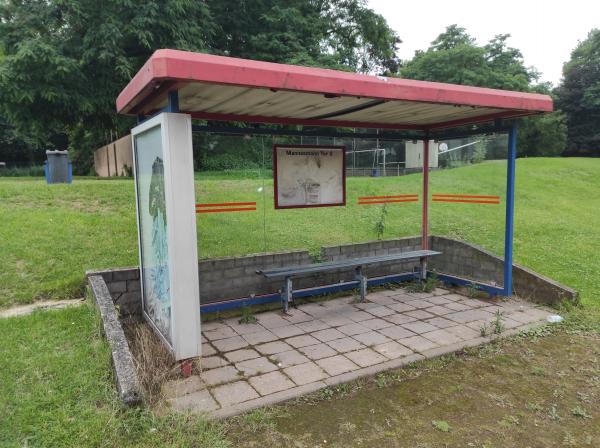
133	285
126	274
117	286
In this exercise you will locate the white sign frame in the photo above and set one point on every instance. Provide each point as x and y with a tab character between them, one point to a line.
184	287
277	175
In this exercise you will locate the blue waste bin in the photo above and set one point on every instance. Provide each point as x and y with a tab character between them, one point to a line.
58	168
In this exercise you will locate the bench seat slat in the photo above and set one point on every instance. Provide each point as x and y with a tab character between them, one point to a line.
341	264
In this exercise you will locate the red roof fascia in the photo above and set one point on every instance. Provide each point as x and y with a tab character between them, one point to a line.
181	66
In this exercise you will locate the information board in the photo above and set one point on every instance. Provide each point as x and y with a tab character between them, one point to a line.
309	176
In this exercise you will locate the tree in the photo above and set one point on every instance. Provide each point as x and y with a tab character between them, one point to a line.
343	34
66	60
455	57
579	96
15	149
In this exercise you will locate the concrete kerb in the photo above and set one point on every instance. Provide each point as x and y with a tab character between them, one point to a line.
128	385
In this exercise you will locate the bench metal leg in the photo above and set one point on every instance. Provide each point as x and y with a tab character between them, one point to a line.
423	269
287	294
362	283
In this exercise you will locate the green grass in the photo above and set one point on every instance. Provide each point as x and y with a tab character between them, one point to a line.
51	234
56	385
56	390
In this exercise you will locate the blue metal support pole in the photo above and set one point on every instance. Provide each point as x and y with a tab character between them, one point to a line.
510	209
173	102
172	106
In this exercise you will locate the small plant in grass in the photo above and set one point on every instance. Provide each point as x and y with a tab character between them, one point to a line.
381	380
258	420
345	389
498	322
538	371
247	316
509	420
327	393
553	413
578	411
347	427
380	223
441	425
534	407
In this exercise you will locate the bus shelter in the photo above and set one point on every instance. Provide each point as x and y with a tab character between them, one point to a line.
174	88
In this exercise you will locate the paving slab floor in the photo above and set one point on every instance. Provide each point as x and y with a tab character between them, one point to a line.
281	357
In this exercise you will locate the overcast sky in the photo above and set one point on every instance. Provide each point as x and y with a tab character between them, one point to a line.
544	31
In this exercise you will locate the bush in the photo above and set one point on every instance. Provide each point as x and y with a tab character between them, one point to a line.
19	171
222	162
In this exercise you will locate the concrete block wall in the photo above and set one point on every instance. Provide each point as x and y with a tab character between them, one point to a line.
124	287
220	278
467	260
235	277
371	249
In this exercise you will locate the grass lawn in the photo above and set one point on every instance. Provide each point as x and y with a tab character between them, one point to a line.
51	234
56	386
523	392
56	390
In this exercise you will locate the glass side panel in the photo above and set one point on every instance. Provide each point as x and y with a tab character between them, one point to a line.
468	197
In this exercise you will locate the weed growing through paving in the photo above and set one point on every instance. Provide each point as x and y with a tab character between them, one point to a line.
247	316
484	330
430	284
473	289
498	322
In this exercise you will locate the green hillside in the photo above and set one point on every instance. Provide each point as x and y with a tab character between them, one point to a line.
51	234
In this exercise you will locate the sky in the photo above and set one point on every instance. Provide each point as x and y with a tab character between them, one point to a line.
545	31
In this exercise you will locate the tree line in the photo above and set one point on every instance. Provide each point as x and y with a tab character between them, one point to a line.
63	62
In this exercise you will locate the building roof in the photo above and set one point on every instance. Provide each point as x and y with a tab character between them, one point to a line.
232	89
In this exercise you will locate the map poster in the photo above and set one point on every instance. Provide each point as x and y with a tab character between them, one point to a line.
309	176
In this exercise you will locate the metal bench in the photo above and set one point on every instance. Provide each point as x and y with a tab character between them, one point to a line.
287	273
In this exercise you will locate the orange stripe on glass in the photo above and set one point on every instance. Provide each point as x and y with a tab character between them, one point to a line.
225	204
464	196
218	210
387	201
399	196
467	201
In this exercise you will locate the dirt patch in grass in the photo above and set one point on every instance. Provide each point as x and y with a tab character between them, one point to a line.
522	392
